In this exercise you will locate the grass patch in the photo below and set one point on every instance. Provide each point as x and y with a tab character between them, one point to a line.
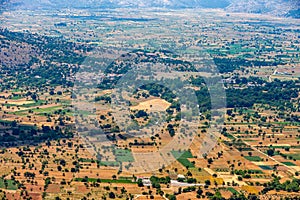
253	158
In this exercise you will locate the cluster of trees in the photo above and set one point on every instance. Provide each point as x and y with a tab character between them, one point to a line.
245	173
105	98
156	181
29	175
289	186
226	65
171	130
31	135
159	91
251	79
204	100
276	93
130	61
136	143
140	114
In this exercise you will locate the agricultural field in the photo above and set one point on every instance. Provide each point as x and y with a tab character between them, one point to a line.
107	104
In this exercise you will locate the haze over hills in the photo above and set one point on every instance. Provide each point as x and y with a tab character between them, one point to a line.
288	8
283	8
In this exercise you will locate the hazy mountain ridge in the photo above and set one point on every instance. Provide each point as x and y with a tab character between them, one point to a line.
288	8
272	7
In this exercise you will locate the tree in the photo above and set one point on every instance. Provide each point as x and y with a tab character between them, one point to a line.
270	152
112	195
140	182
207	182
199	191
217	196
172	197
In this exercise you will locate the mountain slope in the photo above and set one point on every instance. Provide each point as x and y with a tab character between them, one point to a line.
286	8
273	7
126	3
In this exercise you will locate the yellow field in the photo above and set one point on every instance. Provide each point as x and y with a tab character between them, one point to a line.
152	105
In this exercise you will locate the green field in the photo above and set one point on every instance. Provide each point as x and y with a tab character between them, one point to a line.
47	110
289	163
102	163
109	163
11	185
182	157
249	140
253	158
293	156
17	97
104	180
277	147
37	103
39	111
123	155
233	191
222	169
229	136
255	171
266	167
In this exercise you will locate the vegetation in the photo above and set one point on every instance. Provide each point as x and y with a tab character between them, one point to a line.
62	138
182	157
